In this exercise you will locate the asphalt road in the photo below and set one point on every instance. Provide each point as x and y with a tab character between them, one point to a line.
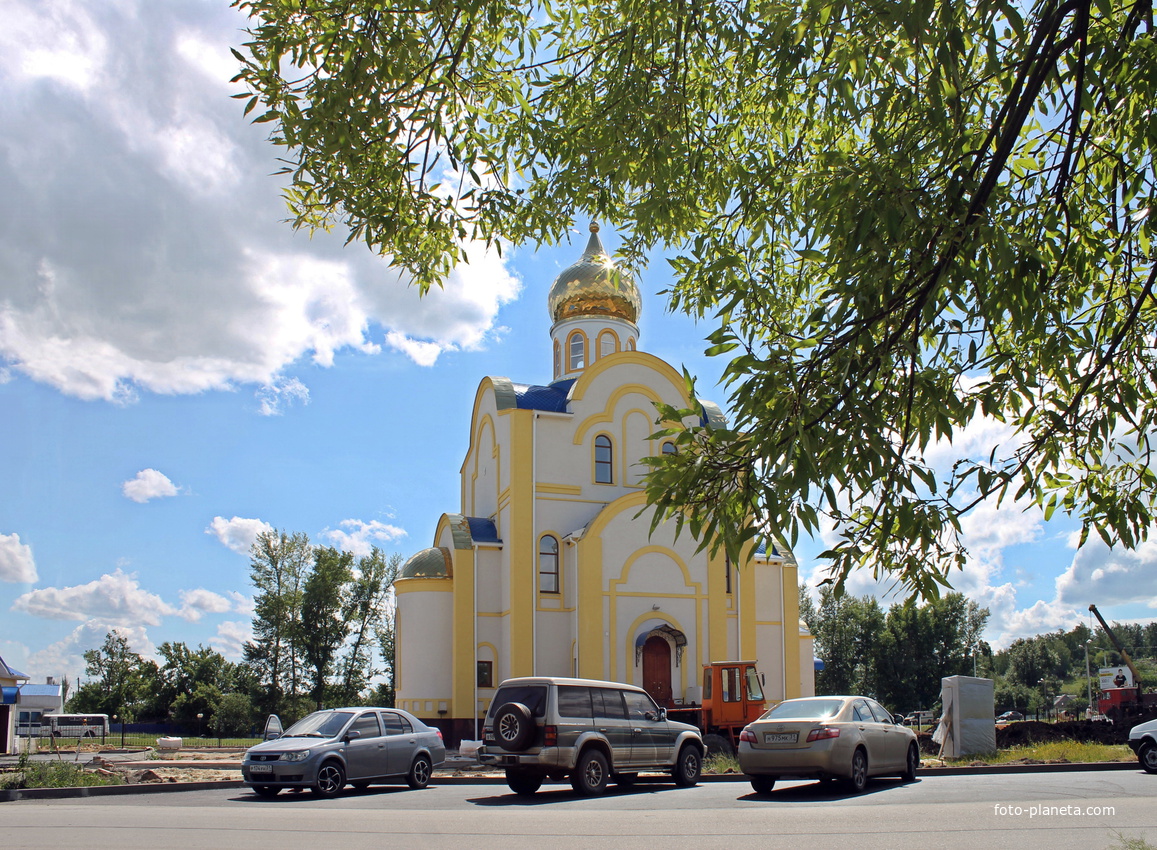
1082	811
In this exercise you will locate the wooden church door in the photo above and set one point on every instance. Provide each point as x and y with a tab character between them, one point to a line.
657	669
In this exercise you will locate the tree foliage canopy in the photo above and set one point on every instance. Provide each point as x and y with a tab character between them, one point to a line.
900	216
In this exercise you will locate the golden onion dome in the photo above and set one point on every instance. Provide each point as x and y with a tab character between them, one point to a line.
594	286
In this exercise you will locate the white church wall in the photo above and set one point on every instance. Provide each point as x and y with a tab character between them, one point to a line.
426	628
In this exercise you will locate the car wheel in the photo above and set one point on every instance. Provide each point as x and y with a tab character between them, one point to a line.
912	764
523	784
420	772
265	790
858	781
1147	755
330	780
718	745
590	774
762	784
514	726
626	778
687	767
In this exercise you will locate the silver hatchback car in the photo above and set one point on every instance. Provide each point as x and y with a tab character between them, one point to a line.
328	749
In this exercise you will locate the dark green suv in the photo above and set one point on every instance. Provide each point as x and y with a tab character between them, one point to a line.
593	732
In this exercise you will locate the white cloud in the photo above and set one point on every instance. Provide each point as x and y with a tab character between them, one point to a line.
65	656
115	598
149	484
1110	576
239	533
195	603
232	635
142	241
275	397
360	537
422	353
242	604
16	563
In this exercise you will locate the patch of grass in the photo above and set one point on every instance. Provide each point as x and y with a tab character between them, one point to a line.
52	774
1070	751
1130	842
720	763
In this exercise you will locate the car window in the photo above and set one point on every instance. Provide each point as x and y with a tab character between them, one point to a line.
574	701
640	706
396	724
806	709
608	703
366	725
730	684
861	712
532	696
754	690
881	714
320	724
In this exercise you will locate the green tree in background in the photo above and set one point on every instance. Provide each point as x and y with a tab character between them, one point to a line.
921	644
118	679
278	567
899	218
899	656
367	601
324	617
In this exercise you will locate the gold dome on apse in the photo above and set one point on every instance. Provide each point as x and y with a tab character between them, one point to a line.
594	287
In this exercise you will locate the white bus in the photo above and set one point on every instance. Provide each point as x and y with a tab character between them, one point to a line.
74	725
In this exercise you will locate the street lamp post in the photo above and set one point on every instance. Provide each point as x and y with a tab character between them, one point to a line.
199	718
1088	680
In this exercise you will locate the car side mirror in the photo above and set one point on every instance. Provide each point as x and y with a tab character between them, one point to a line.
273	728
662	713
352	736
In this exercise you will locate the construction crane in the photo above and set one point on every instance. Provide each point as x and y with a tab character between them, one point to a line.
1128	702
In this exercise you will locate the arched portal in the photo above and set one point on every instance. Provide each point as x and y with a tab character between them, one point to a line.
657	669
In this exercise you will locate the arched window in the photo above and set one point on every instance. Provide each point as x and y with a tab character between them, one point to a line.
578	350
631	344
608	343
668	448
548	564
604	463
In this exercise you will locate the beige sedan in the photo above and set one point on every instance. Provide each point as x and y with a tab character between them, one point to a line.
839	737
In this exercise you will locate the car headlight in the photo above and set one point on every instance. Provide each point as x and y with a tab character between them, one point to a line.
300	755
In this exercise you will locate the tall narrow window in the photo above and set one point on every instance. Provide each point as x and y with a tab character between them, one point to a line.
557	360
548	564
486	674
604	464
727	567
577	351
630	345
608	344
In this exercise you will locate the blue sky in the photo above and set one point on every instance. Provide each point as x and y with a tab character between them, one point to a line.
179	370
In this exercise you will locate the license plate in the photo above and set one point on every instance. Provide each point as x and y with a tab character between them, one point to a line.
261	768
780	737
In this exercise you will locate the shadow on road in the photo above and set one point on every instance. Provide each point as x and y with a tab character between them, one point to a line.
558	793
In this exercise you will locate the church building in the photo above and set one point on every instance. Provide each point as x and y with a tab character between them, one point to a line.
549	566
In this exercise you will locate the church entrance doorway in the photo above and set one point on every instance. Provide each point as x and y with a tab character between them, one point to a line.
657	669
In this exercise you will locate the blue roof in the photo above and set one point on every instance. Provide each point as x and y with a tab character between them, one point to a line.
40	690
761	549
551	398
482	530
11	672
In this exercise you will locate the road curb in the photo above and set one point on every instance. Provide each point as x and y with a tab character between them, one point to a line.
165	787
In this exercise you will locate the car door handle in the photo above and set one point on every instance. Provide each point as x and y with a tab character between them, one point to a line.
637	731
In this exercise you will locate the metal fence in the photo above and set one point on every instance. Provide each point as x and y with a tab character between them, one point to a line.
132	739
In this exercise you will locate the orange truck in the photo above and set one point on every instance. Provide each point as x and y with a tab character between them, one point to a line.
732	697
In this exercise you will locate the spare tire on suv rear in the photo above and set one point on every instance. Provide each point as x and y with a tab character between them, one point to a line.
514	726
